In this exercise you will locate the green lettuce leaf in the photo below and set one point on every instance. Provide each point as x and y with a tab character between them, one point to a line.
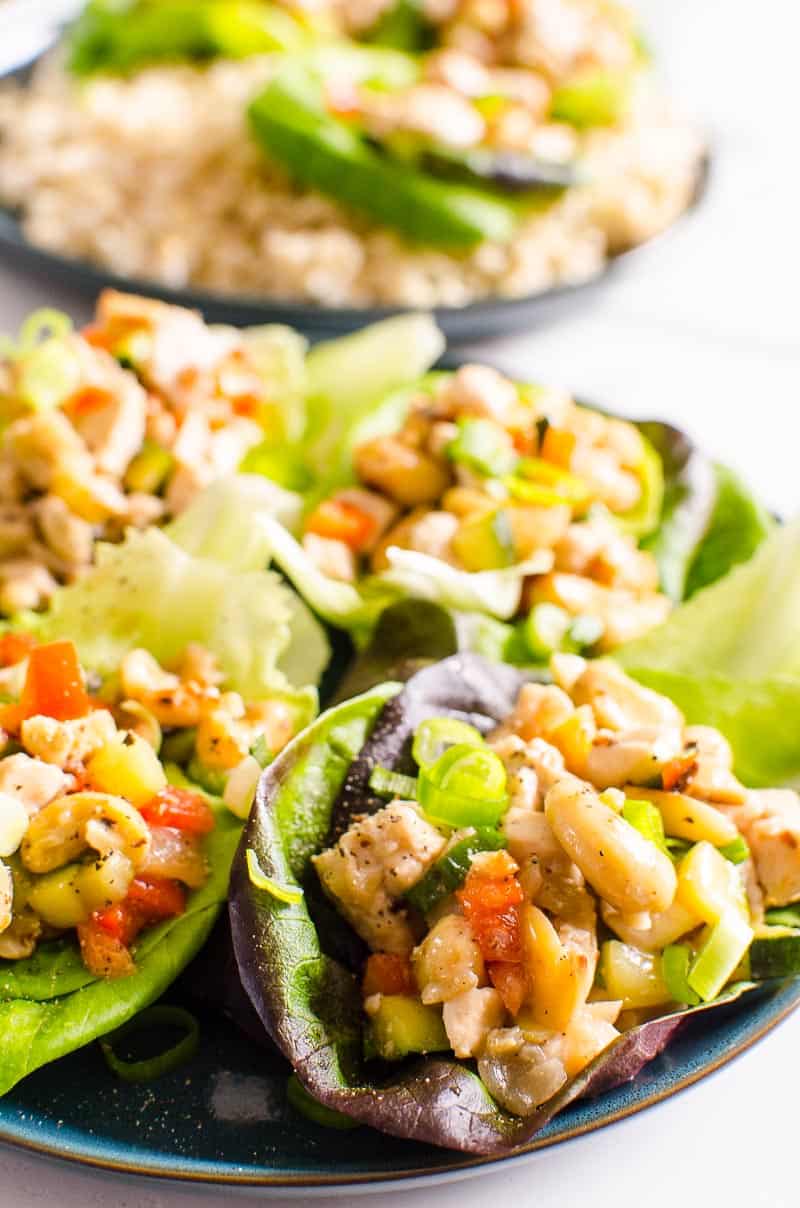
739	524
51	1005
730	657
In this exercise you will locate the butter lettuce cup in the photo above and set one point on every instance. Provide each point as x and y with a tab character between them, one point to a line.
464	901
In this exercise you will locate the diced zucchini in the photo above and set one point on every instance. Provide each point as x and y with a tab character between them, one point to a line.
632	976
178	746
675	962
403	1025
210	779
709	885
56	897
595	98
485	542
150	469
687	818
775	952
127	767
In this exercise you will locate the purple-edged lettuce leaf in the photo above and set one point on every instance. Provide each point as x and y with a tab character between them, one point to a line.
299	962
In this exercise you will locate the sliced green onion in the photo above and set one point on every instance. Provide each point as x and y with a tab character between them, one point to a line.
178	746
545	629
585	632
727	943
290	894
784	916
465	787
484	447
313	1110
393	784
644	817
153	1067
737	851
433	737
261	752
45	323
449	872
675	962
677	848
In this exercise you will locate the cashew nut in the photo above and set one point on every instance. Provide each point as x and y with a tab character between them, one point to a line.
70	824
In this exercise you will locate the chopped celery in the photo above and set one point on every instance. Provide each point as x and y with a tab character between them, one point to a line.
433	737
646	819
450	870
392	784
210	779
485	541
722	951
178	746
784	916
675	962
483	446
584	632
596	98
737	851
261	752
545	629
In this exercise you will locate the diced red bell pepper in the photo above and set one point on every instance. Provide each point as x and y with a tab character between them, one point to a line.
508	978
146	902
677	770
14	647
88	399
341	521
180	808
55	684
491	904
388	973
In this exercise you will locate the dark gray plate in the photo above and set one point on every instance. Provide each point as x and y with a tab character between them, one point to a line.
479	320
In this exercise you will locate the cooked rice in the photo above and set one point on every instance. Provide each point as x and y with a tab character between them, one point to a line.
155	177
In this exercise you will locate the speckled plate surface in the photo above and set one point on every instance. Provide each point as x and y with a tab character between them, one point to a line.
480	320
224	1119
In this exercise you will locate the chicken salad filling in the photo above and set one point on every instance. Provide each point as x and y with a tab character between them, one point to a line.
119	425
486	475
590	864
104	791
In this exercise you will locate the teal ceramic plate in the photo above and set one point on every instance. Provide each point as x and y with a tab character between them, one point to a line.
224	1119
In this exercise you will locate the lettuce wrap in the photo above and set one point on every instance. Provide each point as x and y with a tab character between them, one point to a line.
298	960
695	517
149	592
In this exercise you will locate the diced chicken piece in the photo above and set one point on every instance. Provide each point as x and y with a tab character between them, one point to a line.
617	488
16	530
45	443
619	703
712	778
625	614
172	701
380	510
67	743
448	961
24	583
539	756
432	110
67	535
373	864
470	1017
114	432
529	836
32	781
142	510
334	558
481	391
770	822
631	756
540	709
590	1031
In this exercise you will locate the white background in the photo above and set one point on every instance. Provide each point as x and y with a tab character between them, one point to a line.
705	332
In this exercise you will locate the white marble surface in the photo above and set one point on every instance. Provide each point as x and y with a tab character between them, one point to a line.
706	332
